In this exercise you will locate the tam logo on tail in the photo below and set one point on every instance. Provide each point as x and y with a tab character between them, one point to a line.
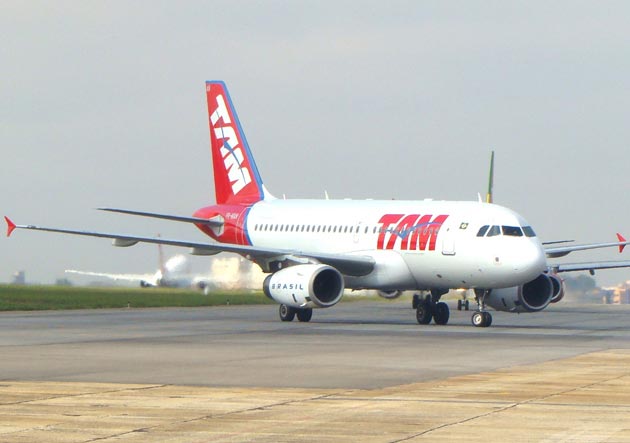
230	151
236	178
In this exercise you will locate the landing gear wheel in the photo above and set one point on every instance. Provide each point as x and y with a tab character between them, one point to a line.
424	312
304	315
477	319
482	319
441	313
467	305
287	313
459	305
415	301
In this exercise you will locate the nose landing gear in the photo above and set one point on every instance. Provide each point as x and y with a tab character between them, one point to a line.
481	318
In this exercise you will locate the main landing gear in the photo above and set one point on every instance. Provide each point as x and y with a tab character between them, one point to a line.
287	313
481	318
431	308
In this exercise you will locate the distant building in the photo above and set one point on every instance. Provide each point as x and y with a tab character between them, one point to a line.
617	295
19	278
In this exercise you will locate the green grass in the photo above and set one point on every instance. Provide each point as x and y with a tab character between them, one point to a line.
30	298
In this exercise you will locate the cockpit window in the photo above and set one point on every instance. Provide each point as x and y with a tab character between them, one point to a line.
512	231
482	231
529	232
494	231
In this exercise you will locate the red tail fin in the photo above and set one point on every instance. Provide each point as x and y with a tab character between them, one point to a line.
236	177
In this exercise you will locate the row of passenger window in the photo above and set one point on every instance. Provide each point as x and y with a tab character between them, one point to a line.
512	231
312	228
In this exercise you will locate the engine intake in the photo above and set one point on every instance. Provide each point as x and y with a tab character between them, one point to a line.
305	286
533	296
389	295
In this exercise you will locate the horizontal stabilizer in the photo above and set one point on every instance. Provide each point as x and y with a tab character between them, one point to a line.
215	221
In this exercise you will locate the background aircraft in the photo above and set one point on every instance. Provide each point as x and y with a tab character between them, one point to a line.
225	272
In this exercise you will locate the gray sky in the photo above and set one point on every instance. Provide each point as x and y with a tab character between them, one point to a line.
103	104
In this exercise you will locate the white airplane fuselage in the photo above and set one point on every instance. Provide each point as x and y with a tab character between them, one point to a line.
415	244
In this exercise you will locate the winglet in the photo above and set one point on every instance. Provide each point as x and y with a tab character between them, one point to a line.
621	240
10	225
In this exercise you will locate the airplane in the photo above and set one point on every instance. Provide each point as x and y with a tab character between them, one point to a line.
226	272
173	273
313	249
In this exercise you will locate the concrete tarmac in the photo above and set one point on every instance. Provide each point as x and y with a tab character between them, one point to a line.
359	371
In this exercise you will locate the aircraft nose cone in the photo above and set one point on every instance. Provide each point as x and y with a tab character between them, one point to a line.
529	258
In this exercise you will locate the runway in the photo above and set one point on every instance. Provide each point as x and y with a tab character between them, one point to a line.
239	374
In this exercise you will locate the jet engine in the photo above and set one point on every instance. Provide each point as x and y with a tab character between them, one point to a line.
389	295
558	288
533	296
305	286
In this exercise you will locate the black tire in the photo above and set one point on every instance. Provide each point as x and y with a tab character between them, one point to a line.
459	305
287	313
441	313
424	313
304	314
467	305
415	301
481	319
488	319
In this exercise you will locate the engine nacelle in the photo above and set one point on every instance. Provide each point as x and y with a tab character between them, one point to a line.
533	296
558	288
305	286
389	295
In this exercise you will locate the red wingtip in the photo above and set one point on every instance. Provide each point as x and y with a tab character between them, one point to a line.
10	226
621	240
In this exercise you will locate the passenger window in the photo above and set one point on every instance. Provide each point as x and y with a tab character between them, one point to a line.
482	231
494	231
512	231
529	232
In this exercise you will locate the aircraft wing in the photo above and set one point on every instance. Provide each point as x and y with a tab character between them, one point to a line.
349	264
591	267
561	251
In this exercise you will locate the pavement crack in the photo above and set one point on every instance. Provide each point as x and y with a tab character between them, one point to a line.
268	406
225	414
83	394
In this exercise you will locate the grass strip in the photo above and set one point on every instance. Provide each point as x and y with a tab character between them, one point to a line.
30	298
